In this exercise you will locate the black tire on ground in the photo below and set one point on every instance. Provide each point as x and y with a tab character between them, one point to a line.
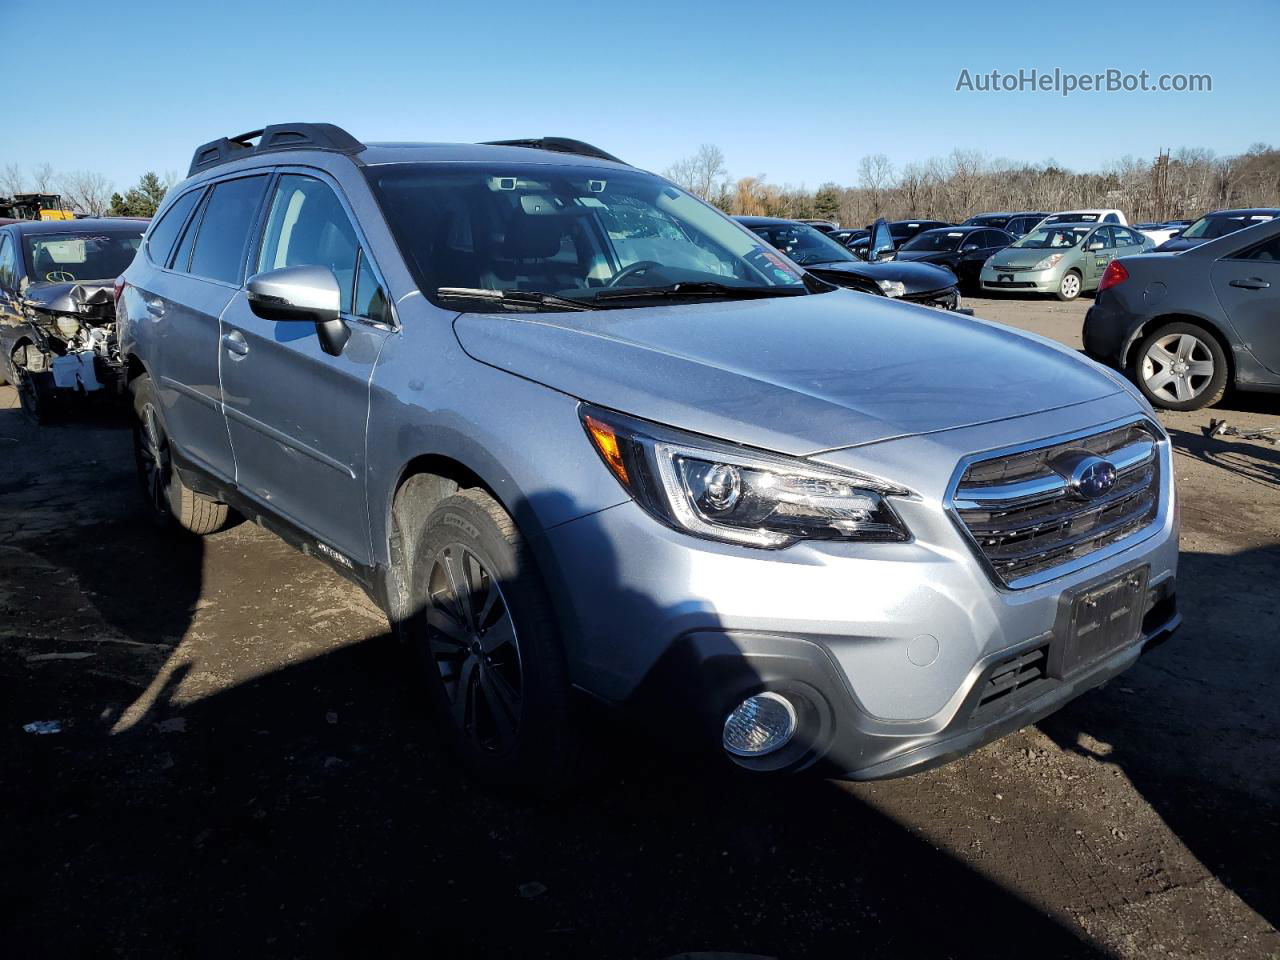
170	502
481	628
1070	289
1180	366
36	395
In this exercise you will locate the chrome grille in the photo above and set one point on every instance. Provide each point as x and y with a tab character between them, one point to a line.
1026	519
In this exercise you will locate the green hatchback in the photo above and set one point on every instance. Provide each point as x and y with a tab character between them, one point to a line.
1064	259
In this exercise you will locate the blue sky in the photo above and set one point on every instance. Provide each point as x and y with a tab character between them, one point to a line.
795	91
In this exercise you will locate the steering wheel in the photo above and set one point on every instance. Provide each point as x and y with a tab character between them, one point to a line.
59	276
640	266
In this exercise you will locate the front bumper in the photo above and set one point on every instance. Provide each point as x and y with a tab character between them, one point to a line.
891	641
1024	281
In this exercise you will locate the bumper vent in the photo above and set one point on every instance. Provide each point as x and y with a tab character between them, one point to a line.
1028	512
1012	682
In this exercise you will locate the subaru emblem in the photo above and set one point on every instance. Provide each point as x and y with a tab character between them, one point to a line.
1093	477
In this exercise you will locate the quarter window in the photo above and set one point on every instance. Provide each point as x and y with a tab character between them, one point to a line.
224	229
371	300
165	231
307	226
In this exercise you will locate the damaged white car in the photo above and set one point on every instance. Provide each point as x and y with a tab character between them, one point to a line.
57	309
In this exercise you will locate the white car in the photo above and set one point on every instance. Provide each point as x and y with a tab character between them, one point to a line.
1083	216
1157	233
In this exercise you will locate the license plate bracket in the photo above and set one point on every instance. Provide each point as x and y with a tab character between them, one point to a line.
1098	620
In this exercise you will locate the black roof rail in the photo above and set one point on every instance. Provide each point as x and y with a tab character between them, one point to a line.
558	145
278	136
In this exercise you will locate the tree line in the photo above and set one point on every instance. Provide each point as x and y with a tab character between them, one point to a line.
1182	183
89	193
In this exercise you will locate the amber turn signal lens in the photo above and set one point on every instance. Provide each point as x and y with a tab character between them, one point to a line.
606	442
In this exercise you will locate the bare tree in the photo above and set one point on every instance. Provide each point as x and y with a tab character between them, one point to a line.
12	180
875	175
87	192
704	174
43	177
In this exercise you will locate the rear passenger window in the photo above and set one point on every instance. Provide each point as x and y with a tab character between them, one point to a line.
8	275
165	231
224	230
1267	251
307	226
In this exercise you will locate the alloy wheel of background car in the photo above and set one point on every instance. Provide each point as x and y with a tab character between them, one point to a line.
1069	286
1181	367
474	645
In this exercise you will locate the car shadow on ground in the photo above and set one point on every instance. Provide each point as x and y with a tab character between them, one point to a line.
311	811
1194	725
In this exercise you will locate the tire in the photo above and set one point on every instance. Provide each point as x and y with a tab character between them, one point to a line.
35	394
170	502
482	633
1070	286
1180	366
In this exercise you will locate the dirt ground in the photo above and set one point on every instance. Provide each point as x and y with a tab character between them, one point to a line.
243	768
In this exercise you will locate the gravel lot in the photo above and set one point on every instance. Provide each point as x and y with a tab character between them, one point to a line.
243	766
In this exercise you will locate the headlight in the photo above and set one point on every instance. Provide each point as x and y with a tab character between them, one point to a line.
724	492
1049	262
892	288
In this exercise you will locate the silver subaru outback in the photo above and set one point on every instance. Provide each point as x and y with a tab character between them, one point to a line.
585	439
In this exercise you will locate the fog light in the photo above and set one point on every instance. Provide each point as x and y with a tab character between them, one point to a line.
760	724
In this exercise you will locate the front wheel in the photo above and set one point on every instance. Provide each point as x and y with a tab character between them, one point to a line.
1180	366
170	502
1069	286
482	630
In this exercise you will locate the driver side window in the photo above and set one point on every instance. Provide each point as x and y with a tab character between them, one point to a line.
307	226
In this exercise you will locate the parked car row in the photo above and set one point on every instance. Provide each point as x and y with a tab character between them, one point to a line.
580	434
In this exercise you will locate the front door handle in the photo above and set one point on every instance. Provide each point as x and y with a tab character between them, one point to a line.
235	343
1251	283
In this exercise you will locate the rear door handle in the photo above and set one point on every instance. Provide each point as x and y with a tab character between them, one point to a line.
235	343
1251	283
155	306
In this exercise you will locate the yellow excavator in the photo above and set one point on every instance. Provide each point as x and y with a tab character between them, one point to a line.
35	206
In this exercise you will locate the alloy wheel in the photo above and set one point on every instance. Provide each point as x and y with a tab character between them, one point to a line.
473	643
1178	367
1070	286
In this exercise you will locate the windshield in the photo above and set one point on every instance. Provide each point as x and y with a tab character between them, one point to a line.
71	257
802	243
1049	238
573	232
1209	228
935	241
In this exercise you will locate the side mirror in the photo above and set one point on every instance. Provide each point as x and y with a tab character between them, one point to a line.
1096	245
310	294
1174	233
969	248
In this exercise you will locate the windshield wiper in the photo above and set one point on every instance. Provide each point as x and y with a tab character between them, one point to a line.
524	299
697	289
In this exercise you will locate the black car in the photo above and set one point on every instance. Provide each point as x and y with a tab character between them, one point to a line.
962	250
914	282
850	236
57	307
904	230
1219	223
1183	328
1018	224
826	226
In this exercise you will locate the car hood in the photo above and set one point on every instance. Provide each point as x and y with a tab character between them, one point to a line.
916	277
793	374
1025	259
89	296
926	256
